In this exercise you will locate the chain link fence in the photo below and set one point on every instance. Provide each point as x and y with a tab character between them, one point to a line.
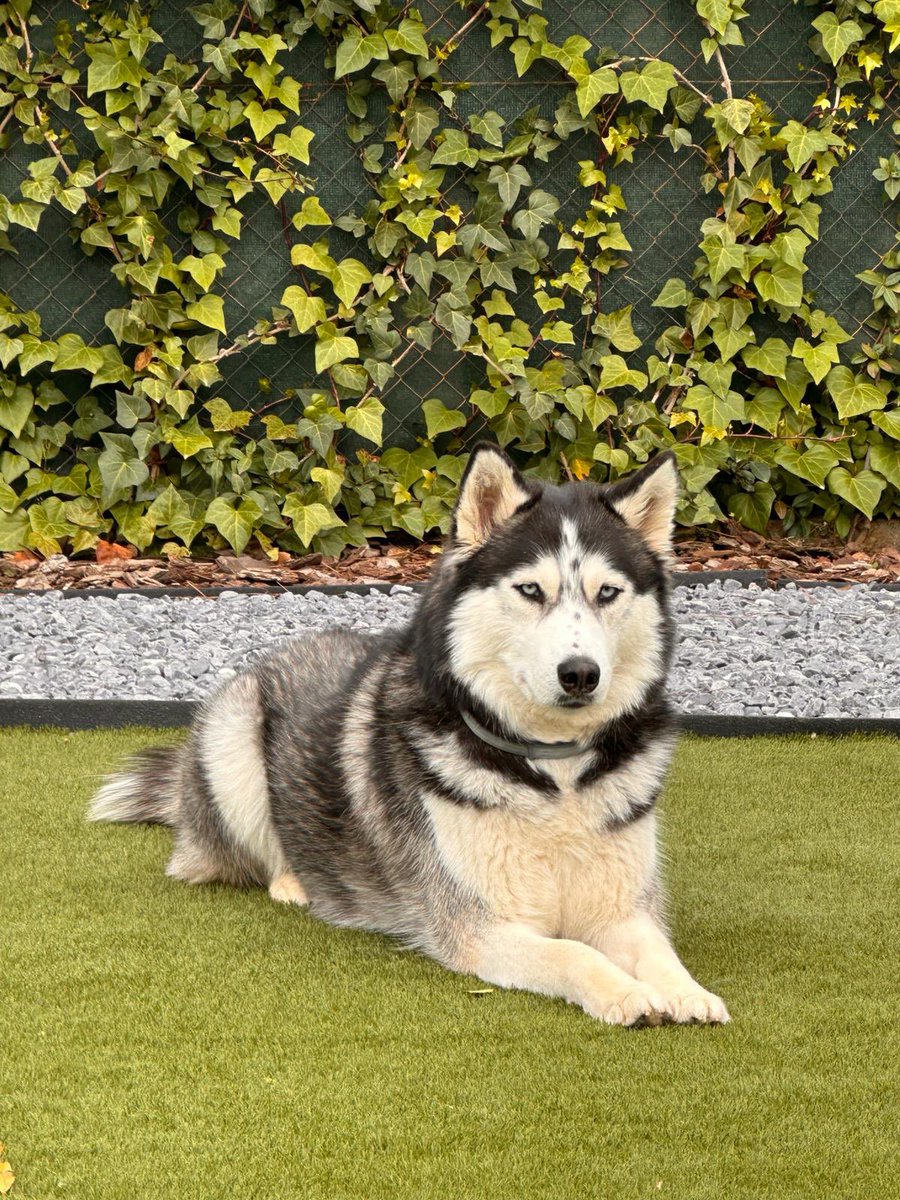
666	204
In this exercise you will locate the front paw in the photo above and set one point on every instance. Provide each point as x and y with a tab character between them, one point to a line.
638	1005
696	1006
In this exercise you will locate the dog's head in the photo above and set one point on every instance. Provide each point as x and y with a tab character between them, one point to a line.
556	617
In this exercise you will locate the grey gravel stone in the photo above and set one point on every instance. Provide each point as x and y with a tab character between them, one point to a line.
813	652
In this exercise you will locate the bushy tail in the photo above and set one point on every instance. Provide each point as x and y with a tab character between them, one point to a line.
147	790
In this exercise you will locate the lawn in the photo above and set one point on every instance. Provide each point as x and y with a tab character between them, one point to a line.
163	1041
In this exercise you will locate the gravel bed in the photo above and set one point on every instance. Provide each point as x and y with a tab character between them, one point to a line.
824	652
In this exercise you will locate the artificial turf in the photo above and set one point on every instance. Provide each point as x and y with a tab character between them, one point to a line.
160	1041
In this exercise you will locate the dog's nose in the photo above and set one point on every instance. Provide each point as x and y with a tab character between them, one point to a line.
578	675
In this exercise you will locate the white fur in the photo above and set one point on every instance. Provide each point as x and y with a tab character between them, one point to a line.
232	758
115	799
569	899
490	496
508	649
650	507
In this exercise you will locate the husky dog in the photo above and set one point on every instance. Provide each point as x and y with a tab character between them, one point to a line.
481	783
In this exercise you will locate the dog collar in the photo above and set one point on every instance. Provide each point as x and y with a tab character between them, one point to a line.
523	749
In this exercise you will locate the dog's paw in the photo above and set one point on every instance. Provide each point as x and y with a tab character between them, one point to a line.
696	1006
287	889
639	1005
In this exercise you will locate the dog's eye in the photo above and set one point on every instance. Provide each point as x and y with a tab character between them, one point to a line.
532	591
608	593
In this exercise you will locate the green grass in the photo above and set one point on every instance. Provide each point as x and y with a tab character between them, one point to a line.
199	1043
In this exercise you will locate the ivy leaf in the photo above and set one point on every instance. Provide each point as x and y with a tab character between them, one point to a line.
111	67
311	213
509	182
306	310
308	519
889	422
886	461
16	409
119	465
837	36
439	419
333	347
408	37
455	150
396	77
652	85
722	258
818	359
263	120
209	310
716	411
347	280
862	490
781	285
189	439
802	143
753	509
365	419
329	481
130	409
615	373
489	126
294	144
235	522
354	53
851	393
591	90
675	294
769	359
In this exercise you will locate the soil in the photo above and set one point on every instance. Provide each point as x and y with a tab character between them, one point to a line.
728	549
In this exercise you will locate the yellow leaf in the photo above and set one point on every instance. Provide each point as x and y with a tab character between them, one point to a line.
7	1178
580	468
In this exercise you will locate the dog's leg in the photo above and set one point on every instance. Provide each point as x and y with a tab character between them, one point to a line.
516	956
286	888
640	947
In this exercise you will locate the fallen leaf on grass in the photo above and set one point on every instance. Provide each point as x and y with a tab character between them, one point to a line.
7	1178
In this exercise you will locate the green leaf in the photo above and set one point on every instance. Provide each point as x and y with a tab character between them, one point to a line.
439	419
802	143
235	522
409	37
347	280
130	409
782	285
209	310
111	67
333	347
770	358
819	359
651	85
591	90
837	36
119	465
366	419
188	439
675	294
863	490
852	394
294	144
753	509
263	120
306	310
889	422
722	258
308	519
16	409
716	411
615	373
311	213
354	53
886	461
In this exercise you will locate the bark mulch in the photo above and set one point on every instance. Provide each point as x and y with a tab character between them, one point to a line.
728	549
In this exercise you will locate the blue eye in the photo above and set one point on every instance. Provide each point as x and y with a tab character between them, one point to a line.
531	591
608	593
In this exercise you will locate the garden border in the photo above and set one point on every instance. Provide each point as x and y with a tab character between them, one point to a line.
176	714
678	579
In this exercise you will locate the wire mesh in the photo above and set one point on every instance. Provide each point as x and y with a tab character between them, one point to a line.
666	205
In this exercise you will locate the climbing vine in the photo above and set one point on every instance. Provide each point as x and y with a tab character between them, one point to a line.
460	247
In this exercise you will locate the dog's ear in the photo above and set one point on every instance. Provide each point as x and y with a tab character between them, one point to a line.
491	490
646	501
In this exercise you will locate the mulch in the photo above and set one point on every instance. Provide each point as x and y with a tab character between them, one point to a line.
728	549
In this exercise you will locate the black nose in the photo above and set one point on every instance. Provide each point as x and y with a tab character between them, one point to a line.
578	675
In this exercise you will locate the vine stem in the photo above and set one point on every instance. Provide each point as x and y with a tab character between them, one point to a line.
235	348
199	84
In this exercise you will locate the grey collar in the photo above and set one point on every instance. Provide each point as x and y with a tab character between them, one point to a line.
529	750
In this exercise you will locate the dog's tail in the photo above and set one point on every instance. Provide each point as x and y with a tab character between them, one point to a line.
147	790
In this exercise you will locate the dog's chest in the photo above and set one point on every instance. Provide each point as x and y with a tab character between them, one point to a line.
560	870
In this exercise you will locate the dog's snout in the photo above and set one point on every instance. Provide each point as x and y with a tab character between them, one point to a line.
579	675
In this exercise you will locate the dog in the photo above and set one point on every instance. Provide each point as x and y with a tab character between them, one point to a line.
480	784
